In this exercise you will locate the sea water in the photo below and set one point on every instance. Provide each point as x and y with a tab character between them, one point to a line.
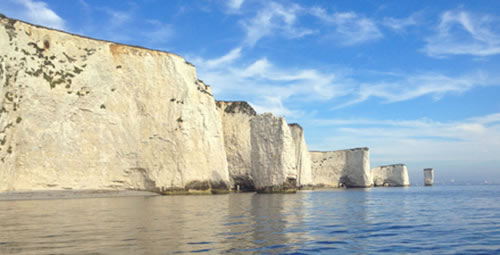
426	220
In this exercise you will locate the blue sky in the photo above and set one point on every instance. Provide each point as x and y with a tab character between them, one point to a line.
417	82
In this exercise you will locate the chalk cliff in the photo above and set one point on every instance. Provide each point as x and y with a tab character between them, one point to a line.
349	168
391	175
273	154
236	117
78	113
302	156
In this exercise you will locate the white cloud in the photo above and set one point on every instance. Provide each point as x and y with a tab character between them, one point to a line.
350	27
273	88
401	24
159	33
269	88
124	26
234	5
421	139
413	86
118	18
462	33
38	12
274	19
224	60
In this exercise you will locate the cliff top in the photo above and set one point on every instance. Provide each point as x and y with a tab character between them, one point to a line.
295	125
12	21
392	165
236	107
353	149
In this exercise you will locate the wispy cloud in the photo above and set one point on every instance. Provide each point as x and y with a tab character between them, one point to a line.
273	19
124	26
279	89
401	24
36	12
230	57
158	33
234	5
475	138
350	27
463	33
117	18
409	87
268	87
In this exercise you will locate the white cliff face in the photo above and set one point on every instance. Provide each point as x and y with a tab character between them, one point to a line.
304	176
273	154
78	113
428	177
236	117
350	168
391	175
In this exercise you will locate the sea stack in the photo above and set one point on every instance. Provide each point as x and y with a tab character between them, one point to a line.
274	166
391	175
236	117
344	168
302	156
428	176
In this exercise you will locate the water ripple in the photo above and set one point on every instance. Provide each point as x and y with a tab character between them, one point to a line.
429	220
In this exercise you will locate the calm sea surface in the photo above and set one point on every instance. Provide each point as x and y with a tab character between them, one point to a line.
428	220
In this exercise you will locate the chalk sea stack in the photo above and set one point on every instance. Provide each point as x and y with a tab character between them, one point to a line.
273	155
236	117
343	168
302	156
428	176
391	175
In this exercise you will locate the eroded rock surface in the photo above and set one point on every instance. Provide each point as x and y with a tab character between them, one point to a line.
78	113
236	117
273	154
391	175
302	156
342	168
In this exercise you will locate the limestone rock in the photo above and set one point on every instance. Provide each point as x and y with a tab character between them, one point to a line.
302	156
79	113
391	175
236	117
273	154
349	168
428	177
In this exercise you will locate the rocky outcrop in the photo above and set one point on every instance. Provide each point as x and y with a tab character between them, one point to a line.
349	168
391	175
236	117
263	152
273	154
428	176
78	113
302	156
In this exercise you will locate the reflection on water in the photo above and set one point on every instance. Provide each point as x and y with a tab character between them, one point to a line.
357	221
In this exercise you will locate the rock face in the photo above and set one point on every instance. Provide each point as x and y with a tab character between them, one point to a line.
302	156
273	154
78	113
349	168
428	177
236	117
391	175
